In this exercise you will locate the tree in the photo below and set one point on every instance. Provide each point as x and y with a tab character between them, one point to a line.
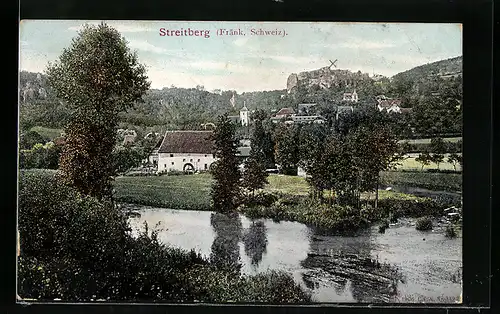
255	175
125	158
225	171
424	159
455	159
286	148
438	146
373	150
311	148
437	159
97	77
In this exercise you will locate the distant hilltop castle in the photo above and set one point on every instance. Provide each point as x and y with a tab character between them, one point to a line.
324	78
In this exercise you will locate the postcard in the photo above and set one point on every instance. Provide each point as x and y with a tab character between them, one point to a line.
240	162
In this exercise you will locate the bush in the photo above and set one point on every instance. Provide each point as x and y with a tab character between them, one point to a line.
217	286
260	199
450	231
423	224
78	249
383	226
411	208
443	171
322	216
40	157
30	139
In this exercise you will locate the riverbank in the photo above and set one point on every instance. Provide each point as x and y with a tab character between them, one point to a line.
361	266
98	258
285	198
193	191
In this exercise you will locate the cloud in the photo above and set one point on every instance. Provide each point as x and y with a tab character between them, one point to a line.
240	41
145	46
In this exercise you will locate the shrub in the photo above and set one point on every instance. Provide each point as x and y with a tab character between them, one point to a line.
40	157
423	224
383	226
30	138
450	231
443	171
216	286
260	199
411	208
78	249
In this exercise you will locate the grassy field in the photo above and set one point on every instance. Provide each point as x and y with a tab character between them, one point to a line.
410	164
47	132
179	192
193	191
450	182
287	184
428	140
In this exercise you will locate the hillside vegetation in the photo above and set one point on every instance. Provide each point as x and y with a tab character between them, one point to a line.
436	100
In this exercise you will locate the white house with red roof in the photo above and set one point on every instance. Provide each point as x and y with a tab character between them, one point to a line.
187	151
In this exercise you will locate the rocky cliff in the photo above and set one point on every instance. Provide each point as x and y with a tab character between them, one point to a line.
325	78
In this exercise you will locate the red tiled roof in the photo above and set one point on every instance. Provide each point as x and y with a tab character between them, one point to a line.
196	142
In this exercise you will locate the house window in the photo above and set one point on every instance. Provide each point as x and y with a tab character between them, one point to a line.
172	163
190	160
165	166
198	160
171	155
206	166
184	159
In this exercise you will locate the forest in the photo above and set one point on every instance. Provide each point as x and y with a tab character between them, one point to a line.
435	98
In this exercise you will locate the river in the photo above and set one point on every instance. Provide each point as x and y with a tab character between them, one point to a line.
401	265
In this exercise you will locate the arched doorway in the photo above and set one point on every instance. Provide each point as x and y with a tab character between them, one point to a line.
188	168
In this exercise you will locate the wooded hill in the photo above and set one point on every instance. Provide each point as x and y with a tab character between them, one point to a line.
429	89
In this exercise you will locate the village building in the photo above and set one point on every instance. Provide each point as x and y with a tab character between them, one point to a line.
389	105
353	97
305	109
283	113
243	118
307	119
187	151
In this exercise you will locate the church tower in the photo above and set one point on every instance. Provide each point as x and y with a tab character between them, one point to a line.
355	96
244	115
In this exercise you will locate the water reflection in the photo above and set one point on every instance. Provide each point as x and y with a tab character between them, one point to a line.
225	251
337	268
255	242
335	261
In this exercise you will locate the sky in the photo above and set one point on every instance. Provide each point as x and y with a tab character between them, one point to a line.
249	62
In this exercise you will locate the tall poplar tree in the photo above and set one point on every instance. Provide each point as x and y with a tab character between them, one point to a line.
255	175
225	170
96	77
